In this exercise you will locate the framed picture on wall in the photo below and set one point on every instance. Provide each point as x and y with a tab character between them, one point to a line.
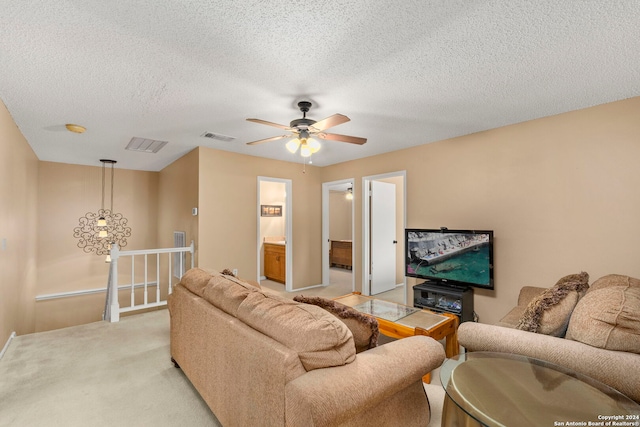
270	210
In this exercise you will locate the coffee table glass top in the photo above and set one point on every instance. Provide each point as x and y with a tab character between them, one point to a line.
393	312
499	389
384	309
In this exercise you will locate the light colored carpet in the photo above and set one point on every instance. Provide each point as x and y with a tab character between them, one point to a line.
108	374
99	374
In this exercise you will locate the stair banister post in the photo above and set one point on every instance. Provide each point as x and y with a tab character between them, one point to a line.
115	305
193	251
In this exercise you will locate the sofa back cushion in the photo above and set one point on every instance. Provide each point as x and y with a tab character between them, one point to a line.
227	293
196	279
608	316
612	280
319	338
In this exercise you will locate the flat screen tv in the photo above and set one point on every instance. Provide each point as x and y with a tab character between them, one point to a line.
459	258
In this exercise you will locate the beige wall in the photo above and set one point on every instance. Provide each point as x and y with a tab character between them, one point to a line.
18	229
177	196
66	193
561	194
228	214
340	227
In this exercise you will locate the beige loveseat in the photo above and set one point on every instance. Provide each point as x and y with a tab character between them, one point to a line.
262	360
602	327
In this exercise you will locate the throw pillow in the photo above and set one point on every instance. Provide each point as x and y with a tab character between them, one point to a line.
364	328
608	318
549	312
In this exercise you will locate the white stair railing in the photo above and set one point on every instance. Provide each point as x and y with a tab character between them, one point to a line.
155	273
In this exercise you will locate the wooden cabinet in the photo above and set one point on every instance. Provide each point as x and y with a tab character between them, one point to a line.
275	262
341	253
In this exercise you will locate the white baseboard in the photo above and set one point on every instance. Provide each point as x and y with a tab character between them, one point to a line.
308	287
6	346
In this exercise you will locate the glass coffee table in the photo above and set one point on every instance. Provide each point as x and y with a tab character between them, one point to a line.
402	321
500	389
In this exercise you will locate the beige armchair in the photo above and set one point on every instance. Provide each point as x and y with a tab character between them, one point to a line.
602	337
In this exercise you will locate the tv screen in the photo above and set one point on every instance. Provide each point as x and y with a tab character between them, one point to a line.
450	257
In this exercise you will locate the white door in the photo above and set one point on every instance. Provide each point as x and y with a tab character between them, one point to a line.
383	237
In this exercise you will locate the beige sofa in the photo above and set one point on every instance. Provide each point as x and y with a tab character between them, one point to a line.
602	327
260	359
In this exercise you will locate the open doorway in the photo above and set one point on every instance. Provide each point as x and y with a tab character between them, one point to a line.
274	239
383	223
338	236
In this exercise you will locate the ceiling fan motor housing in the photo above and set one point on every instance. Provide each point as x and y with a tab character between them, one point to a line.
301	124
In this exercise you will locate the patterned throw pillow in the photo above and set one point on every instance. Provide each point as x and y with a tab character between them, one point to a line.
549	312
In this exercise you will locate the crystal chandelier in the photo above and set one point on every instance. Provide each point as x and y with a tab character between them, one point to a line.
98	231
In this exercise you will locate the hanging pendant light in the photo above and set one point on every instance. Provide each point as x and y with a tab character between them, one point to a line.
97	231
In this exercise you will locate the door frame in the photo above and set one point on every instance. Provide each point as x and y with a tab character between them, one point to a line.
288	227
366	225
326	275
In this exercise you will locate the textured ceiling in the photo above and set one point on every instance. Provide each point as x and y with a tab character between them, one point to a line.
406	72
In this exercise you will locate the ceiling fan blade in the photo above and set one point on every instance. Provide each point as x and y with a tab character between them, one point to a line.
273	138
329	122
343	138
264	122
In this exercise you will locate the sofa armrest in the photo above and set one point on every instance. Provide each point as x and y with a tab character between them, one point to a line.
332	395
617	369
527	293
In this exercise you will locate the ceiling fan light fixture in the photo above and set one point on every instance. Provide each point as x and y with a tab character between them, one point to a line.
293	145
305	150
313	144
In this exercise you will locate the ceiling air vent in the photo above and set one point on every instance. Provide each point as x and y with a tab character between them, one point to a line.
218	136
145	145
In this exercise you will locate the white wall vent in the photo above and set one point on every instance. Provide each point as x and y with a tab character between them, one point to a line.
179	259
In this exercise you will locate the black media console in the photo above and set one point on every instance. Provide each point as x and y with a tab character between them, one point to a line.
439	298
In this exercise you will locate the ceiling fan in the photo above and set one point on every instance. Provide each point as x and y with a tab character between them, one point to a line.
304	128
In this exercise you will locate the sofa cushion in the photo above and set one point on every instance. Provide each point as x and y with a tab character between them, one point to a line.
227	293
195	279
363	327
614	280
549	312
609	318
319	338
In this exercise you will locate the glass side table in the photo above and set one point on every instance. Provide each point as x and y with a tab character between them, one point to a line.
500	389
